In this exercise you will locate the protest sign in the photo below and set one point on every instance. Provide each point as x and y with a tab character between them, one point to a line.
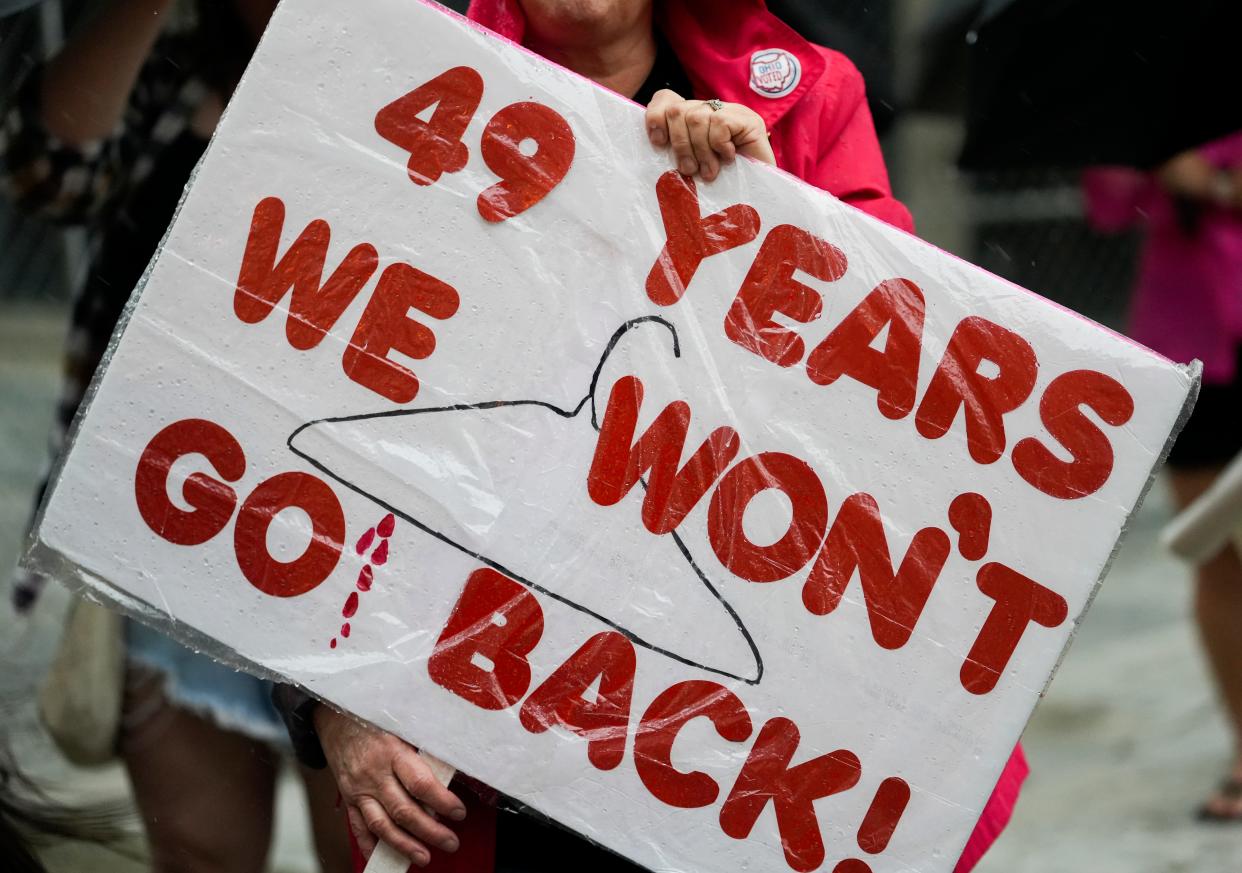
720	522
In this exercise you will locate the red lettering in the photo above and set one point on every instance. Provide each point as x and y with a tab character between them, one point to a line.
970	515
385	326
766	777
886	809
313	566
498	621
435	146
608	657
262	283
894	373
769	288
691	238
856	541
789	554
1019	601
619	462
525	179
664	719
958	384
1060	409
213	501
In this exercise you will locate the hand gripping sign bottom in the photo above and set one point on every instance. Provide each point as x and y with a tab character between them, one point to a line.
520	514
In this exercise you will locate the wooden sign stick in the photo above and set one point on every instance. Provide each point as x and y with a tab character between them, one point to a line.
386	859
1200	530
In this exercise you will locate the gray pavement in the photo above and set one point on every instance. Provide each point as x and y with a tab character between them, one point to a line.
1123	747
1128	740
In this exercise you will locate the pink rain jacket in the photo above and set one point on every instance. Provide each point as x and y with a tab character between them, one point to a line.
822	133
1187	299
821	130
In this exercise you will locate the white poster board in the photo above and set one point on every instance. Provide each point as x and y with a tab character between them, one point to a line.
800	626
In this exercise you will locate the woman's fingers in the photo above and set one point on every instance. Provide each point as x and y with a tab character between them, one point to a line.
390	792
720	136
358	826
702	139
410	816
698	124
679	139
666	126
379	823
657	125
423	786
748	132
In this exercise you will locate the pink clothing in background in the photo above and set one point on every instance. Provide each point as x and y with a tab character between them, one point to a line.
1187	299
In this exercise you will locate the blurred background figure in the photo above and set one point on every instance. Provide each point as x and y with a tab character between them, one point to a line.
29	819
1076	84
1141	86
105	135
1187	304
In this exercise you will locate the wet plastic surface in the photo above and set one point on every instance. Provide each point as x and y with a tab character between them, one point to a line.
865	511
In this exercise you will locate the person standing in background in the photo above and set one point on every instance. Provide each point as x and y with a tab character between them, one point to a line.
1187	304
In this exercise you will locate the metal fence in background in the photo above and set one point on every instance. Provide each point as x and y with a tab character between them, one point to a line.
1028	226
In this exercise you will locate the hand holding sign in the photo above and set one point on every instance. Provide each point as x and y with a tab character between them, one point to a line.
704	134
390	792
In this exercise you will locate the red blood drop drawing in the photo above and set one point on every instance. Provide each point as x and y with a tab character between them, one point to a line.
387	525
366	576
380	556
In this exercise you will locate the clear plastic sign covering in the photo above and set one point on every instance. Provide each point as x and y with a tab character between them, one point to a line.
720	522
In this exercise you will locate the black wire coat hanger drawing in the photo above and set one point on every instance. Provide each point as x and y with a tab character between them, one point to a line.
695	606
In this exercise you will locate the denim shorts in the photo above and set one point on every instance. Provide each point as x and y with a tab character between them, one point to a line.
229	699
